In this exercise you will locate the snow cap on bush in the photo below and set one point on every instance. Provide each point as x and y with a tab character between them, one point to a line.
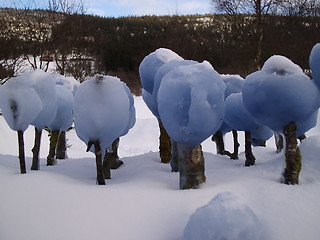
280	93
20	104
103	111
191	102
224	217
151	63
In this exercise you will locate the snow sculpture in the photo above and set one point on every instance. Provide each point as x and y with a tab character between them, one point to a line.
282	97
103	112
189	97
147	71
224	217
20	105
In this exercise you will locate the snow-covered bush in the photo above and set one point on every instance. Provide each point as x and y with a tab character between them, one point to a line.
233	85
224	217
147	71
20	105
45	87
282	97
238	118
190	103
103	112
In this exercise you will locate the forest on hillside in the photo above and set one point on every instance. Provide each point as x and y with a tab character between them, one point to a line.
83	45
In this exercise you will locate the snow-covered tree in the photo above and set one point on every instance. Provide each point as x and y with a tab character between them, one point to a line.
103	112
233	85
190	103
20	105
282	97
58	139
147	71
44	85
237	116
63	119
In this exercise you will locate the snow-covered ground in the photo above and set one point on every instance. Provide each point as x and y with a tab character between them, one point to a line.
143	200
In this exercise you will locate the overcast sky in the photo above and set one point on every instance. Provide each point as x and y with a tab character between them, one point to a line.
117	8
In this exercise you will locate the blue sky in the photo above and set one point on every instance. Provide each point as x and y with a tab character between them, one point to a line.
116	8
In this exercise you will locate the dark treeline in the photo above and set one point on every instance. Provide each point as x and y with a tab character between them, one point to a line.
118	45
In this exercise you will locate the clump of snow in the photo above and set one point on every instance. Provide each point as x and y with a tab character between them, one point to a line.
102	110
280	87
189	97
151	63
64	116
20	104
224	217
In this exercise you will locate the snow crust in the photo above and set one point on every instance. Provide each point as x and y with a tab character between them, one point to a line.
224	217
189	97
280	93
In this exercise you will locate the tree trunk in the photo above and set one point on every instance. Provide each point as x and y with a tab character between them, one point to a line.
22	158
236	145
36	149
292	155
165	144
51	160
250	158
191	166
279	142
112	154
99	164
61	149
218	139
174	163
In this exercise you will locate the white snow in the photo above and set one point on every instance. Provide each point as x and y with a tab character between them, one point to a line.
143	200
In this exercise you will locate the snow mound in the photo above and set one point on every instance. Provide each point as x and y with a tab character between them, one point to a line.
223	218
233	83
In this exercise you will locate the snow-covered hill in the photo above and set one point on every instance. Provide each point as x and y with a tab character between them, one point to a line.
143	200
